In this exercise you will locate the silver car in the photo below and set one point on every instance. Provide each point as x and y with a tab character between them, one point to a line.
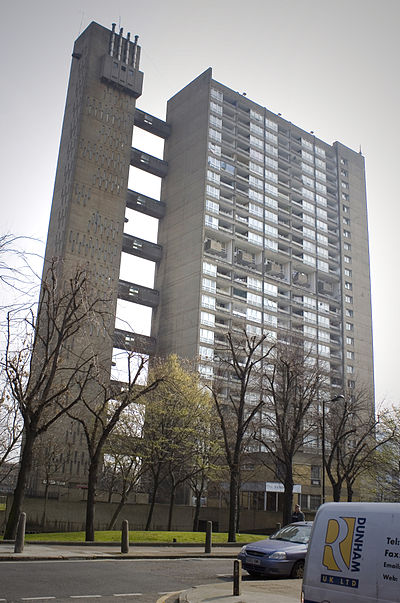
282	554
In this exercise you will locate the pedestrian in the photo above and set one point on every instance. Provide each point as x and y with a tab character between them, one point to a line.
297	514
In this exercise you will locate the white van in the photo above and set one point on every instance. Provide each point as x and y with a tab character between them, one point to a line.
354	554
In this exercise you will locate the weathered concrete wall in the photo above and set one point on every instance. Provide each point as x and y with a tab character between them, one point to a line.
69	516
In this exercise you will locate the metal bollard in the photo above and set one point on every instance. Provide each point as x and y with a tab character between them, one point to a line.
237	577
20	537
125	537
208	546
278	526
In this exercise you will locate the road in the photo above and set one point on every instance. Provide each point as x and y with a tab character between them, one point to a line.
107	580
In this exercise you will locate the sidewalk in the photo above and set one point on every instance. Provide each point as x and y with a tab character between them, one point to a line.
68	550
253	591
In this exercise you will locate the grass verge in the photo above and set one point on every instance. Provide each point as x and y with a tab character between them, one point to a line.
143	537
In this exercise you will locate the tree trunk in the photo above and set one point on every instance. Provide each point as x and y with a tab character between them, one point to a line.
336	491
19	492
197	511
91	498
287	498
350	492
171	507
46	496
117	511
233	498
156	483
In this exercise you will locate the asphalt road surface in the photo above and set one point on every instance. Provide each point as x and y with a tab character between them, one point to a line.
105	581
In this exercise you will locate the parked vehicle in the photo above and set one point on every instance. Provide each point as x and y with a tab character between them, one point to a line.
354	554
282	554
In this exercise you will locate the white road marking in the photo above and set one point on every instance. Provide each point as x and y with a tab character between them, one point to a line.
34	599
128	595
85	596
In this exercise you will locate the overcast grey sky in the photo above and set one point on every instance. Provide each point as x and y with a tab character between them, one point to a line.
331	66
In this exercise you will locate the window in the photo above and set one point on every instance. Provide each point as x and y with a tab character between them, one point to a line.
215	135
211	221
347	259
351	384
346	234
270	289
310	233
256	142
323	265
350	355
270	320
323	321
346	221
271	163
255	238
253	330
213	162
206	353
253	299
321	238
315	475
212	206
348	286
271	124
254	283
271	137
346	209
215	121
257	169
271	176
322	225
206	336
254	315
256	224
350	369
254	154
269	215
206	318
213	177
212	191
310	331
216	108
349	312
256	182
206	371
348	299
209	285
319	151
348	272
210	269
255	115
256	129
214	148
345	196
310	317
347	246
344	185
271	150
255	195
324	350
349	326
270	244
208	302
349	340
217	94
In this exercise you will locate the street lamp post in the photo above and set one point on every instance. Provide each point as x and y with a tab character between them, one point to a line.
335	399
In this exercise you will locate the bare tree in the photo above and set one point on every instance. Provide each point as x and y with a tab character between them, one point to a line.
351	437
238	365
10	431
42	372
98	417
123	465
291	385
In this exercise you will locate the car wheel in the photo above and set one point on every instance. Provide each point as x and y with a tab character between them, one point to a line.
297	570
